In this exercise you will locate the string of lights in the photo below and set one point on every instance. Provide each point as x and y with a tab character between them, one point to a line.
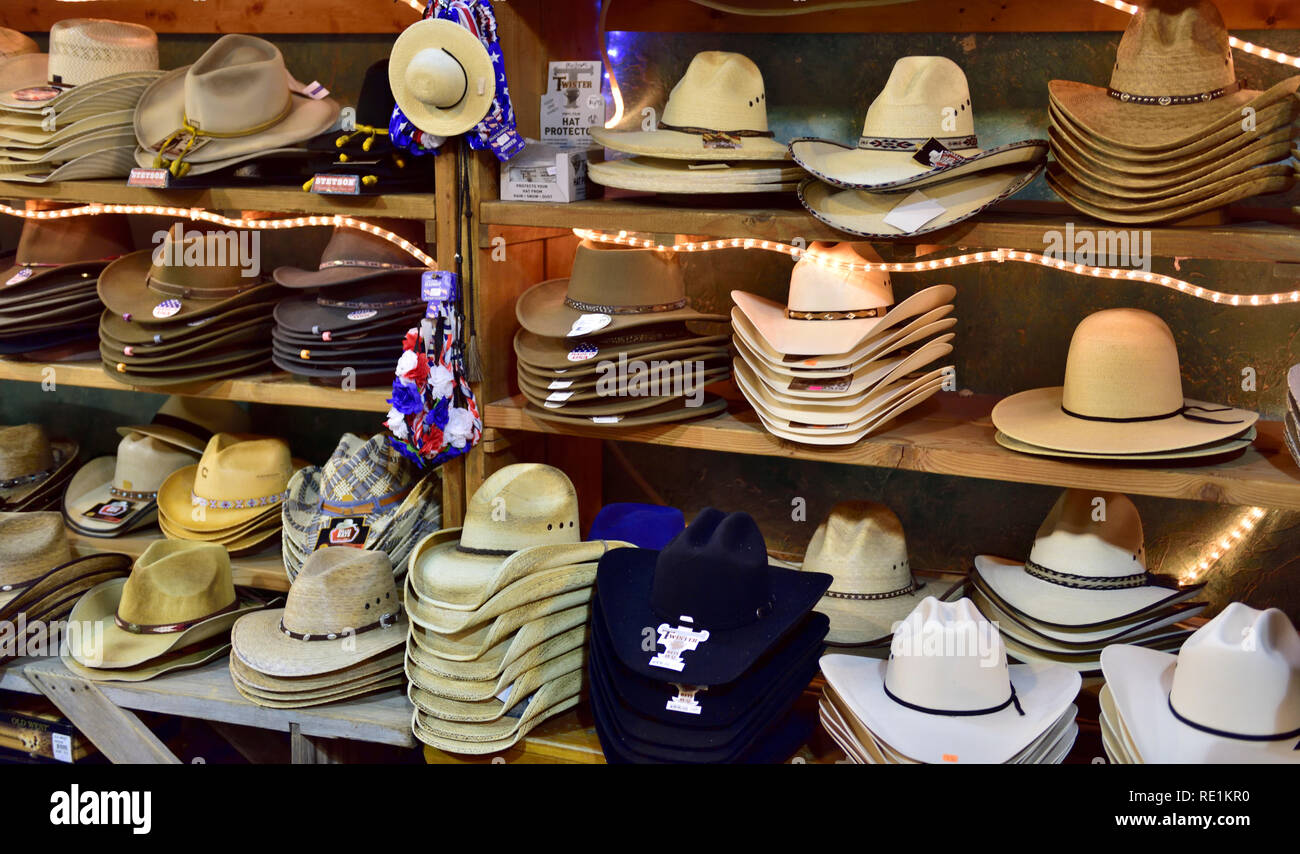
1220	547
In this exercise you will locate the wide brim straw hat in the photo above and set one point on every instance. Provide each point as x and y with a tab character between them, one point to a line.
35	594
1255	187
494	736
542	585
493	661
108	163
660	175
833	409
411	66
65	453
469	707
677	409
19	160
90	487
1213	449
175	504
853	168
385	664
862	213
259	642
797	432
675	145
183	660
476	642
303	699
423	668
1123	200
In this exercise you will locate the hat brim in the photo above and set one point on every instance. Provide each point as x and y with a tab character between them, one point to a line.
504	732
677	409
593	386
496	660
1213	449
468	51
476	641
542	311
456	700
542	585
826	413
1259	186
65	453
304	315
675	145
183	660
660	175
124	290
389	677
175	502
181	336
36	596
1145	201
444	576
293	277
218	335
90	487
544	353
853	168
104	163
384	664
792	431
117	90
39	140
858	622
259	643
623	403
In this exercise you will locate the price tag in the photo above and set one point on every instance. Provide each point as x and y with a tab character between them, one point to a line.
62	743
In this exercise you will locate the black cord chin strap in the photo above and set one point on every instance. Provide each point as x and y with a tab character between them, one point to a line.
1013	700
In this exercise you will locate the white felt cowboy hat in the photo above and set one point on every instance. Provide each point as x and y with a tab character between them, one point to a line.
441	76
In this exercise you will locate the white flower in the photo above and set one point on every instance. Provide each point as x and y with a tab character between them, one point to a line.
441	382
407	363
459	429
397	424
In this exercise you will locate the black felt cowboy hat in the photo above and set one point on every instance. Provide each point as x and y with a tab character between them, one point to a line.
715	602
377	302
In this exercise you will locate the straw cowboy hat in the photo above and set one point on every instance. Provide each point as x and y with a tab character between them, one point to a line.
608	290
1256	182
353	255
946	693
382	666
112	495
1123	393
178	594
494	736
30	460
88	57
660	175
495	660
548	583
475	642
13	43
441	76
1231	695
238	481
238	101
919	120
183	660
453	699
861	547
35	551
1173	81
342	609
1087	567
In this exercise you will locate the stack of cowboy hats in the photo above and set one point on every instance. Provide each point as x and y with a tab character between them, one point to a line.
1175	132
173	611
366	296
191	309
1122	400
115	495
841	359
339	635
736	644
1230	696
232	497
947	695
40	578
1085	585
1291	419
499	612
34	470
713	137
237	103
918	166
610	344
49	306
367	495
68	115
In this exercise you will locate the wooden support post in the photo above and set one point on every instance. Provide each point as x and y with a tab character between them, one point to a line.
118	733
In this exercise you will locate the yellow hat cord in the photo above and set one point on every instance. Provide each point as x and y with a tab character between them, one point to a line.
179	167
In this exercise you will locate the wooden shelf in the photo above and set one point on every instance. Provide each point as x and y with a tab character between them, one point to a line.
279	388
263	571
272	198
1244	241
953	435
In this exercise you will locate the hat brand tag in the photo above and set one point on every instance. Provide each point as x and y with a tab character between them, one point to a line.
113	512
685	701
589	323
676	641
935	155
349	531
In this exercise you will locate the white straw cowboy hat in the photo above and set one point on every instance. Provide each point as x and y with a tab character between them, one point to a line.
861	546
34	549
493	736
946	693
477	642
717	111
1173	81
1212	449
441	76
190	422
661	175
1123	393
847	434
923	113
1231	694
565	646
112	495
238	101
545	584
342	609
88	57
494	660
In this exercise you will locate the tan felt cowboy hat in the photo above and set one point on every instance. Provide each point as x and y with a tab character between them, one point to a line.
1231	694
113	495
441	76
1211	449
384	664
13	43
476	643
1173	81
937	206
717	111
493	736
158	367
182	334
1141	201
219	349
846	434
495	660
531	588
238	101
60	249
236	481
178	594
1123	393
183	660
355	255
660	175
84	53
342	609
559	646
563	353
608	290
676	409
1254	187
630	399
919	130
35	551
495	705
29	459
586	385
165	382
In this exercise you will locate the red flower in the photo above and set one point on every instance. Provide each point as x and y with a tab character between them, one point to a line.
432	442
411	341
420	373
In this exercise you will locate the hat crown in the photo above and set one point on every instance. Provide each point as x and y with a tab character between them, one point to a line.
83	50
234	469
359	470
202	415
25	450
1173	47
198	262
74	239
1091	534
177	581
34	543
349	245
647	526
522	505
341	589
820	282
946	656
436	78
375	102
143	463
861	545
622	276
925	96
1240	673
1123	363
238	84
714	573
719	91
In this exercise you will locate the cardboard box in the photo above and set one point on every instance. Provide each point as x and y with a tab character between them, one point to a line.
547	173
33	726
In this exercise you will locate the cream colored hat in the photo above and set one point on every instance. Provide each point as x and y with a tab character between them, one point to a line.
88	56
493	736
661	175
861	546
717	111
113	495
189	422
1123	394
441	76
236	482
919	121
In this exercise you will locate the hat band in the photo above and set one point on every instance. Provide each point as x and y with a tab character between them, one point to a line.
870	597
370	505
1087	582
170	628
855	314
1222	733
22	585
916	143
719	138
197	431
1182	410
189	133
360	303
238	503
131	496
10	483
596	307
962	713
1175	100
383	622
470	550
182	292
353	262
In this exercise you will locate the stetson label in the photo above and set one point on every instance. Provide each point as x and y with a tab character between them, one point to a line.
830	385
113	512
350	531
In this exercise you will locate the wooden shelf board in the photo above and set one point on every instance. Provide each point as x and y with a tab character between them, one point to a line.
953	435
278	388
267	198
1243	241
264	571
